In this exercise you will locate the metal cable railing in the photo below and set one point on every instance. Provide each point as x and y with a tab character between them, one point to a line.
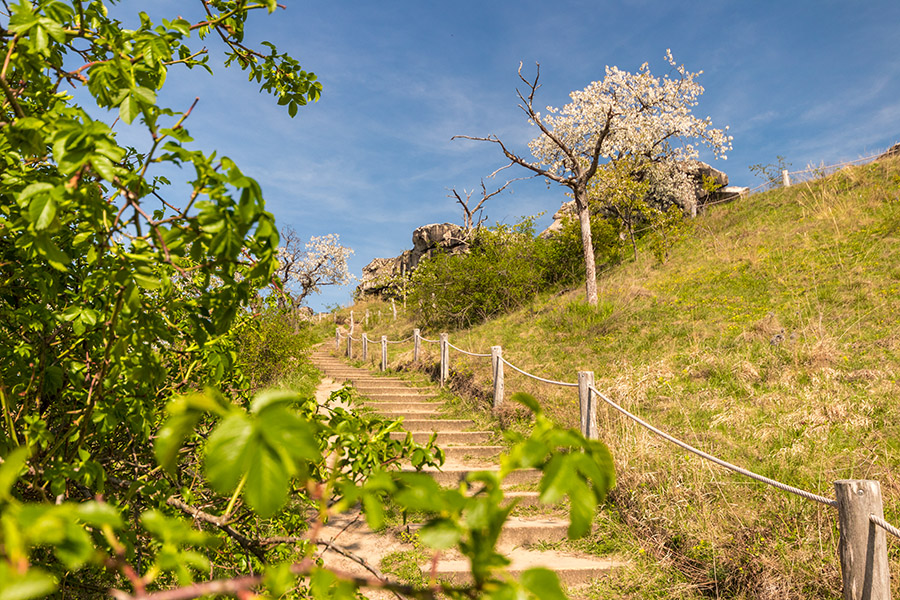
718	461
527	374
468	353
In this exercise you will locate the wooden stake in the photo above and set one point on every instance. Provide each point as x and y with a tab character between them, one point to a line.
863	546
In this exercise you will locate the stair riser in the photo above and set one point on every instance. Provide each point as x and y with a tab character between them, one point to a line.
447	438
435	425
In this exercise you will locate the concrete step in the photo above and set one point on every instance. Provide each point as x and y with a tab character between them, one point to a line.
447	438
410	415
437	424
410	397
453	474
572	569
462	452
410	406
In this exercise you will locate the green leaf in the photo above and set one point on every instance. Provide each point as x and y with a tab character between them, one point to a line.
543	584
558	475
42	211
440	534
34	583
98	514
129	109
268	398
103	166
171	437
527	400
226	452
289	434
144	95
50	251
12	466
266	489
374	511
582	504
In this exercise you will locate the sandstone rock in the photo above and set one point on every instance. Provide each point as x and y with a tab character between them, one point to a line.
892	151
377	275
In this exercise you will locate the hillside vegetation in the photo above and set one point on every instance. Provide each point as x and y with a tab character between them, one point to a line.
770	339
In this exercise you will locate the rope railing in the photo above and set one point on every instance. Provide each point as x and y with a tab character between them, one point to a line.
476	355
885	525
527	374
858	502
718	461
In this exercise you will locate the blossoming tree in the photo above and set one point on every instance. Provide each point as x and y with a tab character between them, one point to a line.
305	268
625	115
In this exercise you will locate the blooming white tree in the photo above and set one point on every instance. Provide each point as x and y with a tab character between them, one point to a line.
626	115
305	268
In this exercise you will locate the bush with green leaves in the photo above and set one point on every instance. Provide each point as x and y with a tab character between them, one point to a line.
505	268
136	457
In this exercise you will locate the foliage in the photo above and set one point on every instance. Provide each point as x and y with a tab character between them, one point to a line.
623	116
506	266
127	380
304	269
769	339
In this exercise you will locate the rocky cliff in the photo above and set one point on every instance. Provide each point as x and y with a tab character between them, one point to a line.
428	239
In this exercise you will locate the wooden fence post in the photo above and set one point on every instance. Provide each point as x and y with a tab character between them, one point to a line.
445	358
337	338
417	342
785	178
394	309
365	345
497	364
588	404
352	322
383	353
350	346
863	547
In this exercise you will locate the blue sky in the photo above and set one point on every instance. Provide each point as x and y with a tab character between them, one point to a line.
373	159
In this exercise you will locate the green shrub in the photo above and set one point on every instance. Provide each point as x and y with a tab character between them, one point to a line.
506	267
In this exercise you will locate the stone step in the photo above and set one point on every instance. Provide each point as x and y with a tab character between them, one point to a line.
446	438
409	398
410	415
411	406
453	474
391	388
572	569
462	452
437	424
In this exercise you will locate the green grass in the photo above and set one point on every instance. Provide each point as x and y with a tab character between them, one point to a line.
769	339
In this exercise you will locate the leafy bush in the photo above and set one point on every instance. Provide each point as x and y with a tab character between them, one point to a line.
506	267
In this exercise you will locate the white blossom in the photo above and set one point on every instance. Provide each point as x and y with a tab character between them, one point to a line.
321	261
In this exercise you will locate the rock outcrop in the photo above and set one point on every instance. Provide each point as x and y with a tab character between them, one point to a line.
428	239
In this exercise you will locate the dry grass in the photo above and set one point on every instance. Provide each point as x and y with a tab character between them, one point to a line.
769	340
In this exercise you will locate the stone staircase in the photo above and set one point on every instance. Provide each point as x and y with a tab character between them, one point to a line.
469	450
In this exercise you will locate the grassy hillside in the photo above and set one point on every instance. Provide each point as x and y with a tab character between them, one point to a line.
770	339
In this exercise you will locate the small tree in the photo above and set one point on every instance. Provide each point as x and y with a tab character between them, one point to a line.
624	115
305	268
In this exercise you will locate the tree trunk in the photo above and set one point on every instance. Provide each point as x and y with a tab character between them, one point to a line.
587	243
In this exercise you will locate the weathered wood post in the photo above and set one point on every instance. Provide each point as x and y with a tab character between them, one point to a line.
367	318
352	322
365	345
785	178
497	367
383	353
863	547
337	338
417	343
588	403
445	358
394	309
350	345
